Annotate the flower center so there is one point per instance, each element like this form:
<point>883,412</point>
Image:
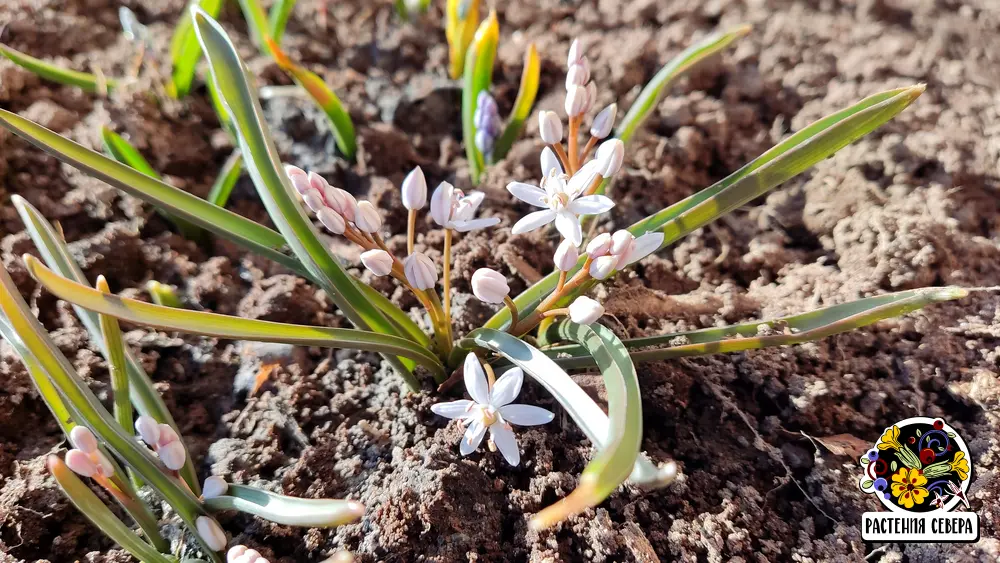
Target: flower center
<point>487,415</point>
<point>558,201</point>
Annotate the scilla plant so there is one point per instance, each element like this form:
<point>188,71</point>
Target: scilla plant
<point>555,311</point>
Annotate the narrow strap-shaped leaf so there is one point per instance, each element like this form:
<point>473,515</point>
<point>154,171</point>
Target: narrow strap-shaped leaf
<point>50,396</point>
<point>461,19</point>
<point>121,150</point>
<point>184,49</point>
<point>615,460</point>
<point>526,94</point>
<point>115,346</point>
<point>574,400</point>
<point>100,515</point>
<point>256,19</point>
<point>84,80</point>
<point>225,326</point>
<point>233,82</point>
<point>224,183</point>
<point>657,87</point>
<point>277,18</point>
<point>325,99</point>
<point>141,391</point>
<point>795,329</point>
<point>785,160</point>
<point>86,408</point>
<point>253,236</point>
<point>289,511</point>
<point>478,77</point>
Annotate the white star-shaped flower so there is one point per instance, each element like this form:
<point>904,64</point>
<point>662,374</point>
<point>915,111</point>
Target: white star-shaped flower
<point>452,209</point>
<point>560,195</point>
<point>492,409</point>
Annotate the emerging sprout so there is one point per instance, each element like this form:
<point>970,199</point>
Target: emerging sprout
<point>491,408</point>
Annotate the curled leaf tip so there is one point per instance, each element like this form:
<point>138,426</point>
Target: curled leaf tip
<point>102,284</point>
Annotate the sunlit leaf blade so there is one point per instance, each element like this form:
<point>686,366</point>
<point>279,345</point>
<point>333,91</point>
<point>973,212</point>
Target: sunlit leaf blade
<point>115,347</point>
<point>84,80</point>
<point>461,19</point>
<point>395,315</point>
<point>657,87</point>
<point>289,511</point>
<point>478,77</point>
<point>252,236</point>
<point>224,183</point>
<point>323,96</point>
<point>100,515</point>
<point>615,460</point>
<point>225,326</point>
<point>277,18</point>
<point>85,408</point>
<point>526,94</point>
<point>795,329</point>
<point>184,49</point>
<point>574,400</point>
<point>121,150</point>
<point>256,19</point>
<point>53,249</point>
<point>261,156</point>
<point>785,160</point>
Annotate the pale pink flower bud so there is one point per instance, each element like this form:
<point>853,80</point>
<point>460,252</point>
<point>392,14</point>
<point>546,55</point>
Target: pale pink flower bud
<point>83,439</point>
<point>610,155</point>
<point>489,285</point>
<point>332,220</point>
<point>313,199</point>
<point>599,246</point>
<point>605,120</point>
<point>441,204</point>
<point>575,55</point>
<point>214,486</point>
<point>342,202</point>
<point>566,256</point>
<point>578,75</point>
<point>104,465</point>
<point>378,261</point>
<point>148,429</point>
<point>414,190</point>
<point>234,552</point>
<point>167,435</point>
<point>81,463</point>
<point>603,266</point>
<point>298,177</point>
<point>550,127</point>
<point>576,101</point>
<point>420,271</point>
<point>620,241</point>
<point>591,97</point>
<point>211,533</point>
<point>584,310</point>
<point>368,218</point>
<point>172,455</point>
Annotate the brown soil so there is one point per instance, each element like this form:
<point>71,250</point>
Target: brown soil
<point>913,204</point>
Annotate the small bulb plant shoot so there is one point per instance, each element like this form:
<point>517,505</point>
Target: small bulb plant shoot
<point>550,328</point>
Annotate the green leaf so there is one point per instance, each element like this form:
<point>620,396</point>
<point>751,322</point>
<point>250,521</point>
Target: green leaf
<point>256,19</point>
<point>786,160</point>
<point>100,515</point>
<point>163,294</point>
<point>115,347</point>
<point>225,326</point>
<point>656,89</point>
<point>50,396</point>
<point>141,390</point>
<point>864,461</point>
<point>85,408</point>
<point>574,400</point>
<point>232,79</point>
<point>84,80</point>
<point>893,465</point>
<point>121,150</point>
<point>461,19</point>
<point>226,180</point>
<point>252,236</point>
<point>526,94</point>
<point>478,77</point>
<point>614,462</point>
<point>277,18</point>
<point>184,49</point>
<point>325,99</point>
<point>289,511</point>
<point>795,329</point>
<point>867,484</point>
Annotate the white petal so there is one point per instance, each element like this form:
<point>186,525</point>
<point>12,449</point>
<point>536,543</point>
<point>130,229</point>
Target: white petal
<point>473,199</point>
<point>526,415</point>
<point>505,441</point>
<point>550,162</point>
<point>453,409</point>
<point>644,246</point>
<point>582,180</point>
<point>475,380</point>
<point>568,226</point>
<point>591,205</point>
<point>473,437</point>
<point>533,221</point>
<point>507,387</point>
<point>527,193</point>
<point>473,224</point>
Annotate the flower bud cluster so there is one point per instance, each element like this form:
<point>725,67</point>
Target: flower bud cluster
<point>609,253</point>
<point>86,459</point>
<point>580,90</point>
<point>164,441</point>
<point>487,119</point>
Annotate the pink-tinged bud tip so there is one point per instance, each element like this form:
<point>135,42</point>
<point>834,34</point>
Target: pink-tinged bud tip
<point>489,286</point>
<point>83,439</point>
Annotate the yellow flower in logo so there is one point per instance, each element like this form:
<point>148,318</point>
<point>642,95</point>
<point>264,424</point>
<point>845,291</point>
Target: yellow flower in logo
<point>908,486</point>
<point>890,439</point>
<point>960,465</point>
